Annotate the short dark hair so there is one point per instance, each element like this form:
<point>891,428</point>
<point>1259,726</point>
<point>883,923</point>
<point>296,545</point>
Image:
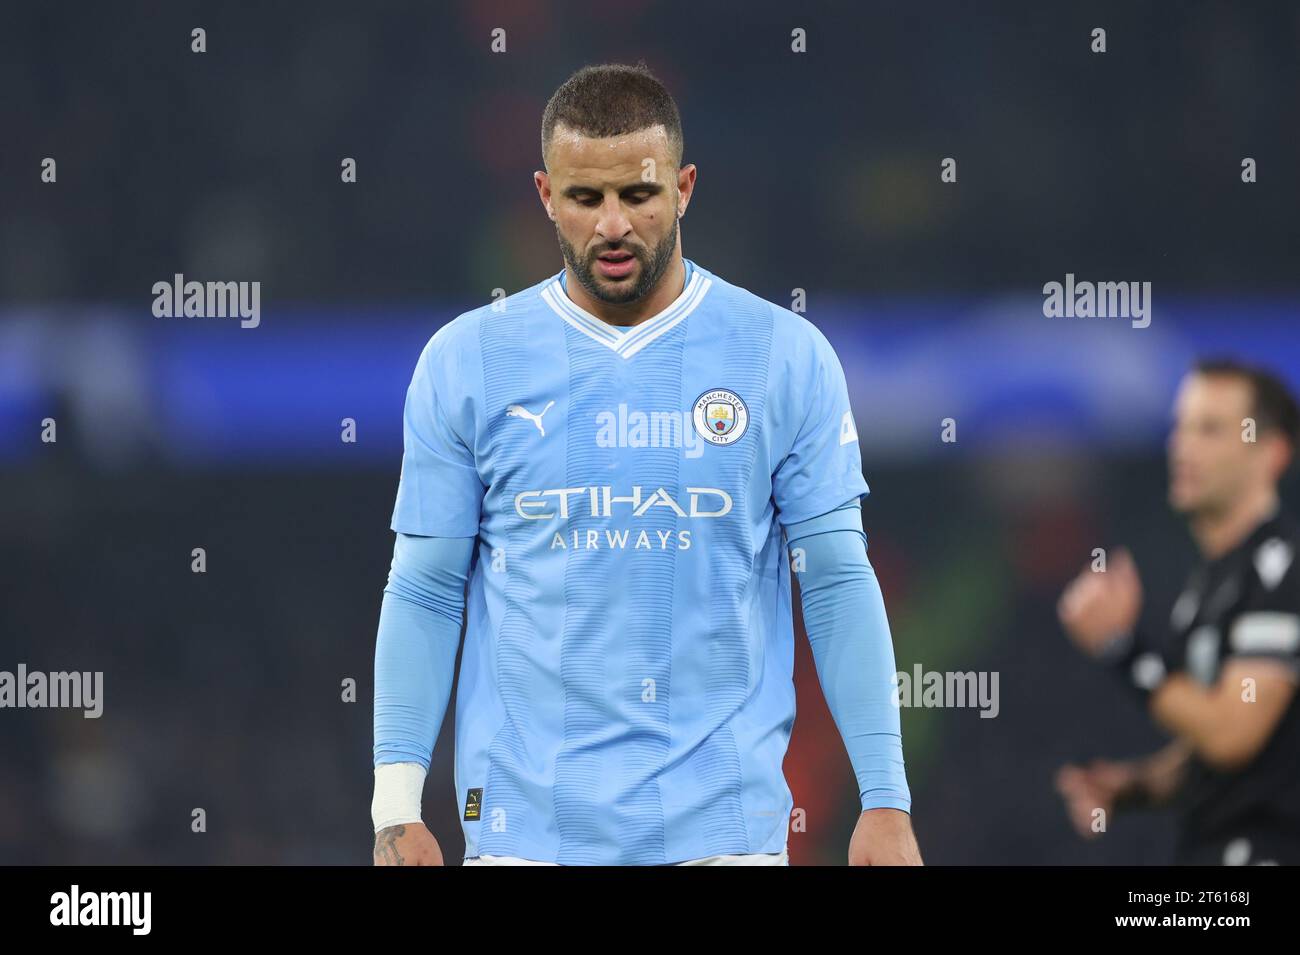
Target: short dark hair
<point>1273,406</point>
<point>612,99</point>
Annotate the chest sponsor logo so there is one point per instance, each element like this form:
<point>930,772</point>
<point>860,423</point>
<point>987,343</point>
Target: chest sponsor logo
<point>600,501</point>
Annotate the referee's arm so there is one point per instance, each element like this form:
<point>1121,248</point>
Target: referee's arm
<point>1228,723</point>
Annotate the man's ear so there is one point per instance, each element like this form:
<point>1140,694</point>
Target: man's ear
<point>685,187</point>
<point>1276,451</point>
<point>543,183</point>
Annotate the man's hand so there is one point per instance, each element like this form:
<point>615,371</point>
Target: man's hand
<point>1098,785</point>
<point>1099,606</point>
<point>410,844</point>
<point>884,837</point>
<point>1150,780</point>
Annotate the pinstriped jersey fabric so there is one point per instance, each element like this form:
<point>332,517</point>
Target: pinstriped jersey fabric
<point>625,691</point>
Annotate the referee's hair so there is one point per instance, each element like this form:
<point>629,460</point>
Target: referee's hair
<point>612,99</point>
<point>1274,407</point>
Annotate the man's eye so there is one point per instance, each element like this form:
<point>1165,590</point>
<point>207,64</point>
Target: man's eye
<point>638,197</point>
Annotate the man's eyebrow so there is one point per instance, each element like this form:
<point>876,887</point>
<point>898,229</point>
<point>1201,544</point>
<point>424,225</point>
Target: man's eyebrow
<point>654,188</point>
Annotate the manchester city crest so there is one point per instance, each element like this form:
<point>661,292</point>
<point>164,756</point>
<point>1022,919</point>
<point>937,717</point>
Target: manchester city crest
<point>720,416</point>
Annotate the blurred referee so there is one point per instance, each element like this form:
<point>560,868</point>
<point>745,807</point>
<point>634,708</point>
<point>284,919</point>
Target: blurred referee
<point>1221,677</point>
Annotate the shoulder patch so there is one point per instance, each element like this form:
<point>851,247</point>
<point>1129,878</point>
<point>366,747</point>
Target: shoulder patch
<point>848,433</point>
<point>1272,560</point>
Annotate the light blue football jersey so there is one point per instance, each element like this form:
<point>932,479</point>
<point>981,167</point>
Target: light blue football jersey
<point>625,689</point>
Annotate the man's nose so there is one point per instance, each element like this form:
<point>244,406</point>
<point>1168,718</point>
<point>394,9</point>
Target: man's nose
<point>613,224</point>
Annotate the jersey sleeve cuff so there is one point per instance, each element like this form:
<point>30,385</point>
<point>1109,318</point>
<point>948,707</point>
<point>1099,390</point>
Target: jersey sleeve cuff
<point>886,801</point>
<point>824,503</point>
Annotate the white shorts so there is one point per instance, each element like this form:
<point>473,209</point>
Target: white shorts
<point>752,858</point>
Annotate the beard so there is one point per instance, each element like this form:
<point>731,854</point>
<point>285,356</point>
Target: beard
<point>653,266</point>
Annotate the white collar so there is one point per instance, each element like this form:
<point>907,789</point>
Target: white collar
<point>630,341</point>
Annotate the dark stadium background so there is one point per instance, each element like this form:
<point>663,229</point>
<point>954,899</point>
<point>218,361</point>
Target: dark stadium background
<point>818,171</point>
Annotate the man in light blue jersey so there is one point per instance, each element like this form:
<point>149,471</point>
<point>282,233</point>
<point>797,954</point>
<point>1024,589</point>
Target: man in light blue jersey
<point>603,475</point>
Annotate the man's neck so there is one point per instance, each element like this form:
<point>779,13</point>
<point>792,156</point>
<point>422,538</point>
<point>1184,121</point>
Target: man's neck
<point>1218,533</point>
<point>670,286</point>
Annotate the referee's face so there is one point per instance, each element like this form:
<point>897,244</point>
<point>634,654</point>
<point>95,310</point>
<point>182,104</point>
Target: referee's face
<point>615,202</point>
<point>1212,461</point>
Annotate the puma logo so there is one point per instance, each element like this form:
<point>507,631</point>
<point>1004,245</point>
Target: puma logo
<point>519,411</point>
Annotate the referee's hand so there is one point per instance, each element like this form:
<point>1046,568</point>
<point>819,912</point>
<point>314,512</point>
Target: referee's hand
<point>1093,789</point>
<point>408,844</point>
<point>1100,606</point>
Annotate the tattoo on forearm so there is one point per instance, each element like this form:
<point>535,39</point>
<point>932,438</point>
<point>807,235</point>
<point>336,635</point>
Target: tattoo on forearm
<point>386,846</point>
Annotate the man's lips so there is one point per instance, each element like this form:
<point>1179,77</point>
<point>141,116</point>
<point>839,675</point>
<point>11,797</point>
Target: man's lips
<point>615,265</point>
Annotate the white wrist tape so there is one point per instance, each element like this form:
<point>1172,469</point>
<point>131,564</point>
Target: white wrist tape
<point>399,788</point>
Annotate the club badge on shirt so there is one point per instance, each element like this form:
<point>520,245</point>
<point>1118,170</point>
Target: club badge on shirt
<point>720,416</point>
